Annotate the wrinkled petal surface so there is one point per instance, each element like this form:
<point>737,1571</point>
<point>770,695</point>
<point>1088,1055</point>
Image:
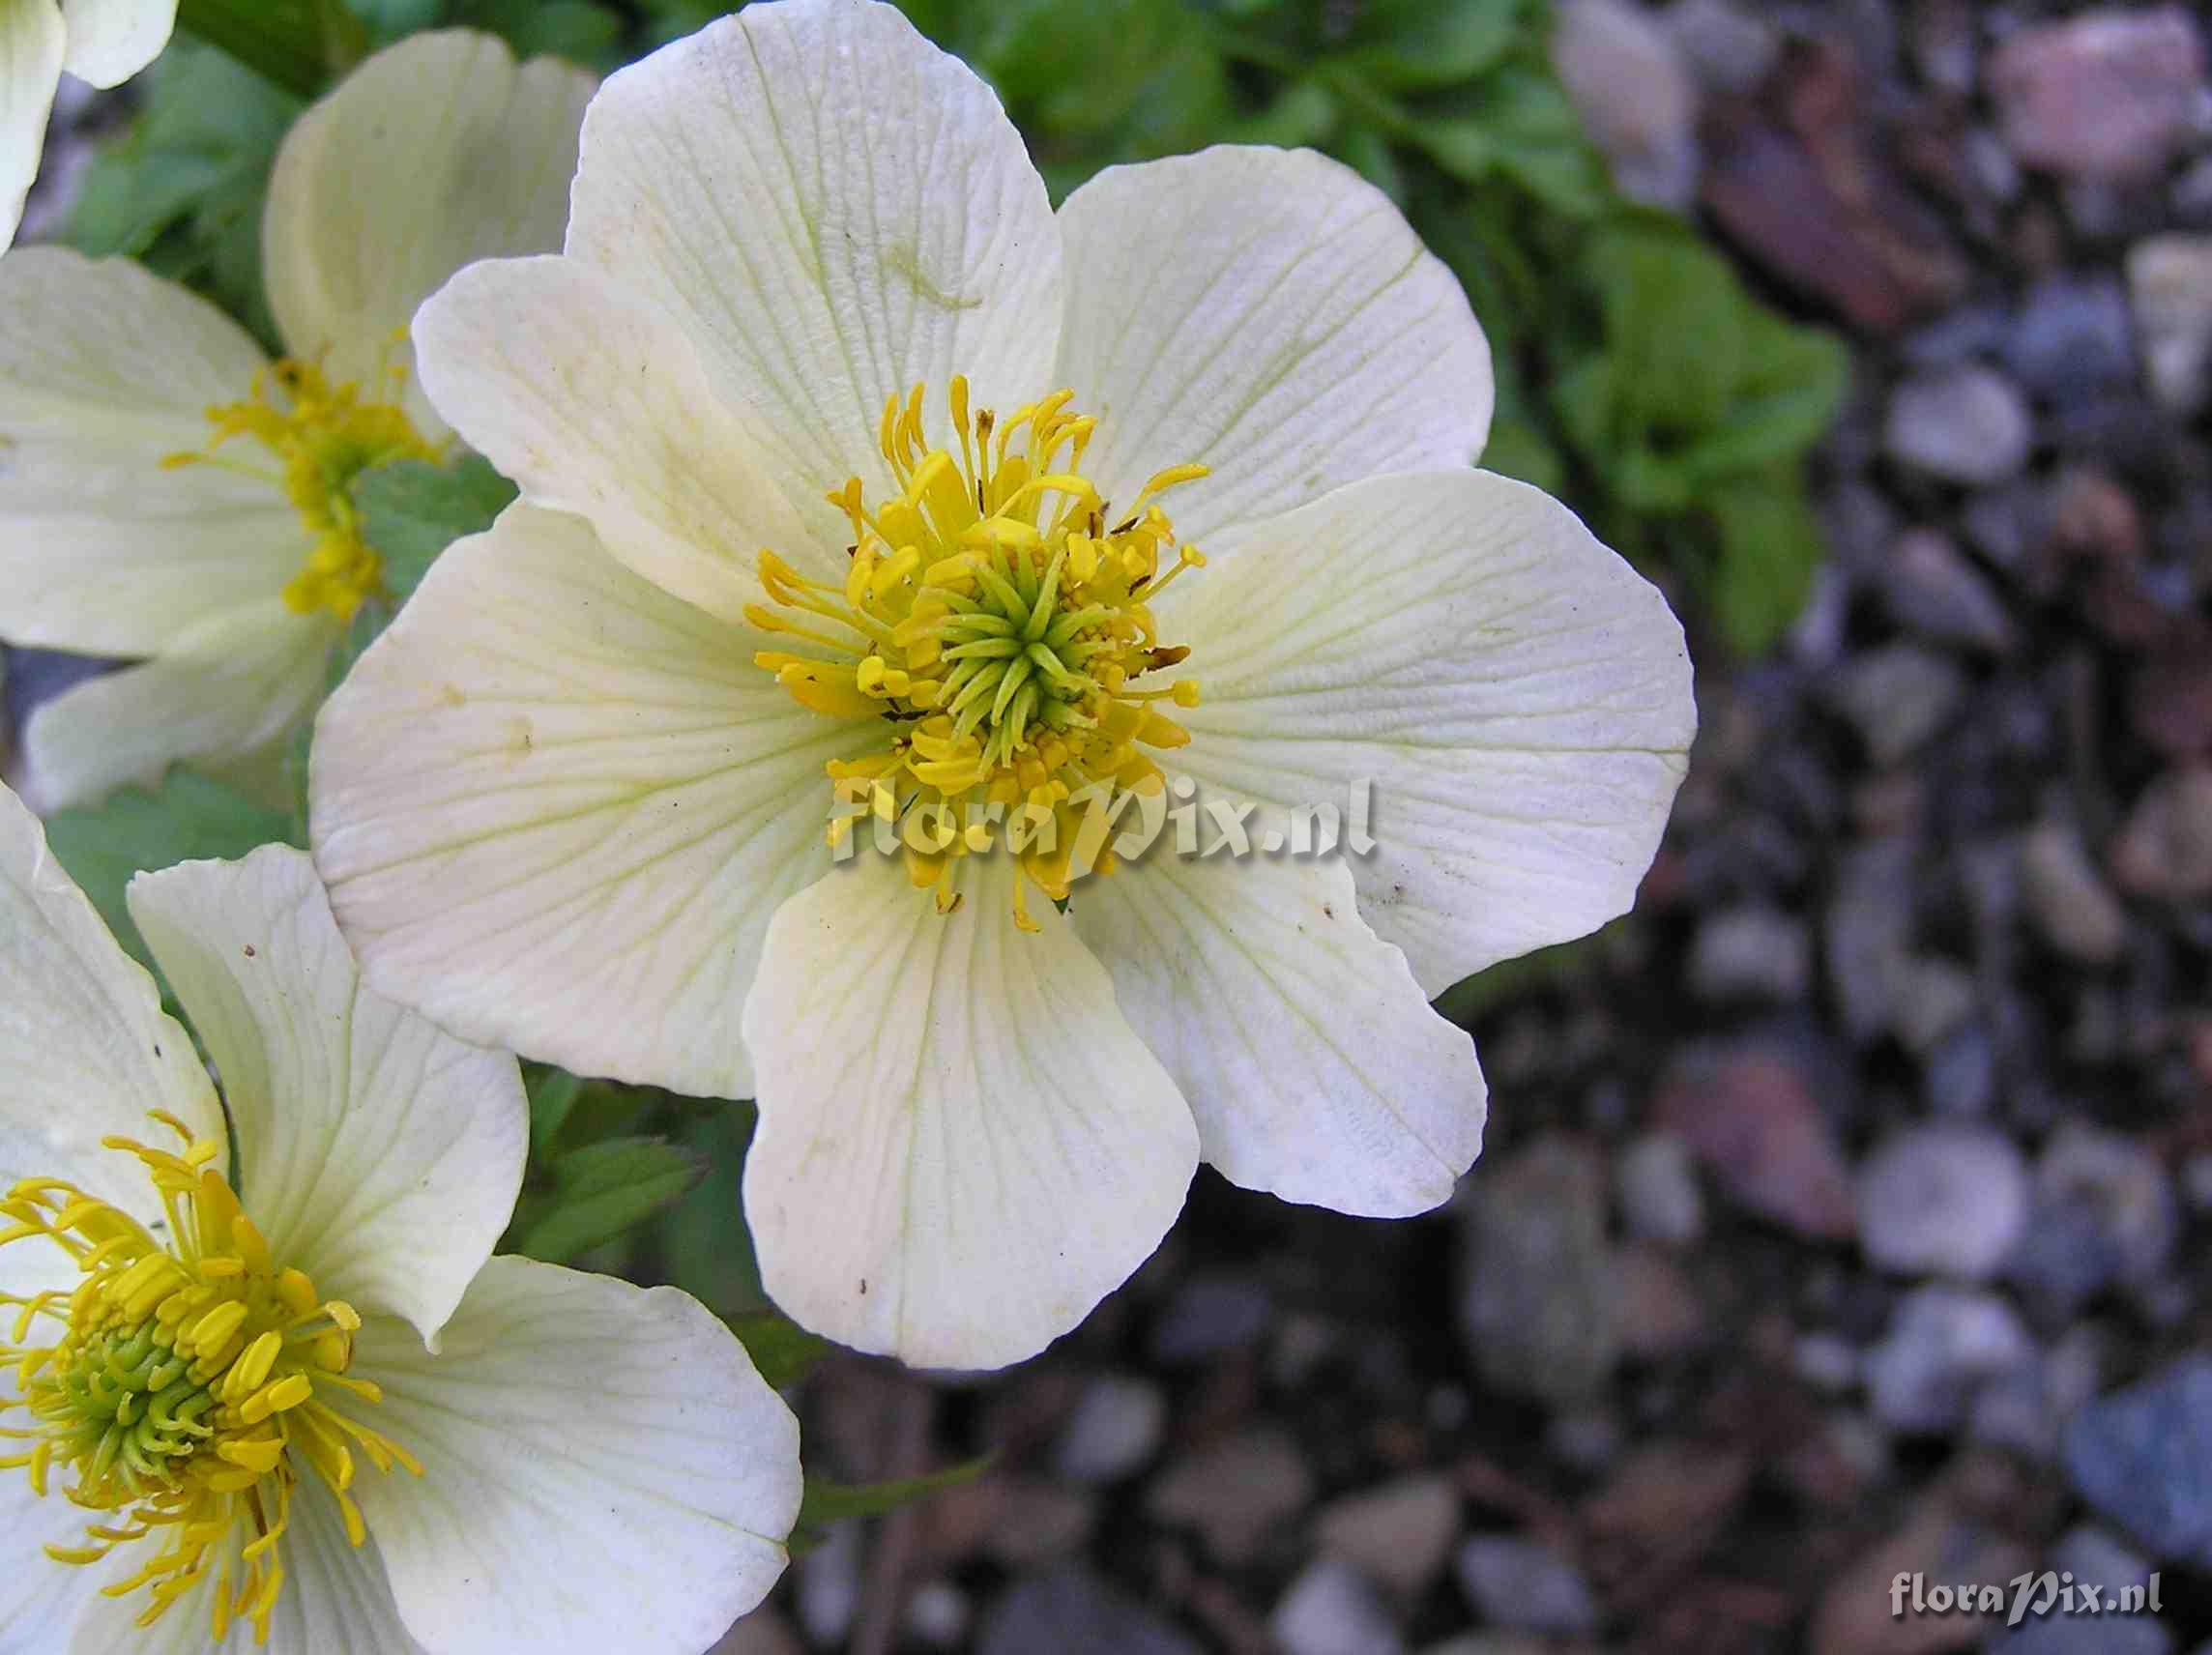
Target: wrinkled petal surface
<point>835,210</point>
<point>555,808</point>
<point>105,370</point>
<point>594,401</point>
<point>222,691</point>
<point>84,1044</point>
<point>1268,313</point>
<point>434,152</point>
<point>1517,698</point>
<point>963,1145</point>
<point>379,1155</point>
<point>603,1469</point>
<point>1310,1057</point>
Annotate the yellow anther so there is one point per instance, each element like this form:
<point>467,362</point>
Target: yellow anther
<point>181,1382</point>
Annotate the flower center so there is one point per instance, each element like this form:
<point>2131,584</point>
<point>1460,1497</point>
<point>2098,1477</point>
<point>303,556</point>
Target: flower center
<point>1000,617</point>
<point>184,1389</point>
<point>322,436</point>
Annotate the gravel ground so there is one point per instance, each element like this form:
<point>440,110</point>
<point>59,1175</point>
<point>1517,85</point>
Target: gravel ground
<point>1846,1209</point>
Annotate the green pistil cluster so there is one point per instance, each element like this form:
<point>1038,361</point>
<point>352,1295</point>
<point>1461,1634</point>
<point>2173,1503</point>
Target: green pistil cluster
<point>126,1399</point>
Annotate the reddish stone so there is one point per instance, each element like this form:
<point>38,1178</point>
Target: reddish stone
<point>1749,1116</point>
<point>1802,190</point>
<point>2108,94</point>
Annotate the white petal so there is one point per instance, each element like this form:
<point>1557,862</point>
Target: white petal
<point>31,44</point>
<point>223,690</point>
<point>1309,1054</point>
<point>335,1599</point>
<point>104,369</point>
<point>556,808</point>
<point>1270,314</point>
<point>109,40</point>
<point>40,1599</point>
<point>85,1048</point>
<point>594,402</point>
<point>1516,696</point>
<point>963,1145</point>
<point>377,1153</point>
<point>434,152</point>
<point>836,210</point>
<point>603,1469</point>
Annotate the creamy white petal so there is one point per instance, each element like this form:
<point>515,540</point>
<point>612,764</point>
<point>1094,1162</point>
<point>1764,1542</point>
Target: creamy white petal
<point>596,404</point>
<point>31,45</point>
<point>222,690</point>
<point>109,40</point>
<point>556,808</point>
<point>336,1600</point>
<point>84,1044</point>
<point>603,1469</point>
<point>1268,313</point>
<point>434,152</point>
<point>1516,696</point>
<point>379,1155</point>
<point>104,369</point>
<point>40,1600</point>
<point>963,1146</point>
<point>1310,1057</point>
<point>838,211</point>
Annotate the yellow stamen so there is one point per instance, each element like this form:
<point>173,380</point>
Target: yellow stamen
<point>1000,617</point>
<point>322,437</point>
<point>185,1393</point>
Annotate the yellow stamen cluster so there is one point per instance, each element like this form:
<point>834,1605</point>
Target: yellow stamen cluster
<point>184,1389</point>
<point>997,615</point>
<point>322,436</point>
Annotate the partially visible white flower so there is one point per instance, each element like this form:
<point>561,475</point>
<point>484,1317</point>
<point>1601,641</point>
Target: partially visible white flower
<point>103,42</point>
<point>291,1401</point>
<point>172,494</point>
<point>814,298</point>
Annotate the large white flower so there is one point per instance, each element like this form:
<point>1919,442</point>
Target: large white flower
<point>104,42</point>
<point>292,1400</point>
<point>575,799</point>
<point>169,493</point>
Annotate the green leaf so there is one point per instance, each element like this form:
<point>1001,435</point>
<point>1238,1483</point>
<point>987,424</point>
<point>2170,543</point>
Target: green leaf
<point>1793,383</point>
<point>1116,80</point>
<point>826,1502</point>
<point>1303,116</point>
<point>1410,46</point>
<point>1367,151</point>
<point>411,511</point>
<point>297,46</point>
<point>1675,323</point>
<point>578,30</point>
<point>1541,145</point>
<point>553,1094</point>
<point>1771,547</point>
<point>599,1192</point>
<point>1517,449</point>
<point>182,190</point>
<point>783,1351</point>
<point>705,1247</point>
<point>135,829</point>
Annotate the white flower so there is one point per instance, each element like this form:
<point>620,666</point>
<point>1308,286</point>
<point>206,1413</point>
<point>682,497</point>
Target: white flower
<point>574,801</point>
<point>104,42</point>
<point>293,1399</point>
<point>169,493</point>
